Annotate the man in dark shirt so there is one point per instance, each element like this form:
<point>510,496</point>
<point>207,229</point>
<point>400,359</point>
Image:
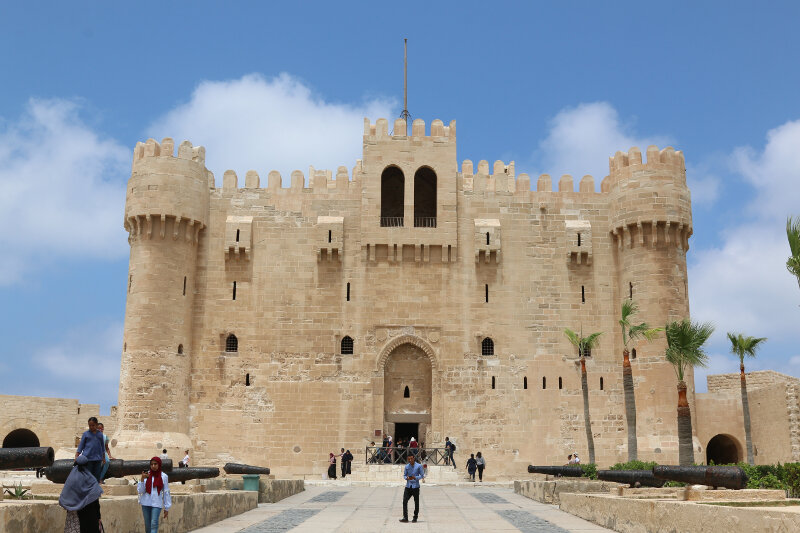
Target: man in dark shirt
<point>93,447</point>
<point>412,473</point>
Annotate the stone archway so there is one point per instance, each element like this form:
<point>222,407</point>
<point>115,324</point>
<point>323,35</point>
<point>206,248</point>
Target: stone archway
<point>723,449</point>
<point>21,438</point>
<point>407,392</point>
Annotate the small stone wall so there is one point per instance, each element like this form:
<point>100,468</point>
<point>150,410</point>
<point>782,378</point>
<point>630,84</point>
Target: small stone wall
<point>270,490</point>
<point>124,515</point>
<point>656,516</point>
<point>755,380</point>
<point>549,491</point>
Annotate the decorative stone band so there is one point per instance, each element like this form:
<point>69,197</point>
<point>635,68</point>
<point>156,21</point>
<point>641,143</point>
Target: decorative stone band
<point>147,225</point>
<point>676,233</point>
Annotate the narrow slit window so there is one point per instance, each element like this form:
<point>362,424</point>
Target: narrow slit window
<point>125,347</point>
<point>234,290</point>
<point>579,239</point>
<point>406,393</point>
<point>487,238</point>
<point>583,294</point>
<point>486,290</point>
<point>601,383</point>
<point>130,282</point>
<point>560,383</point>
<point>630,290</point>
<point>247,380</point>
<point>180,349</point>
<point>493,383</point>
<point>237,239</point>
<point>633,353</point>
<point>347,346</point>
<point>348,291</point>
<point>544,383</point>
<point>184,285</point>
<point>525,383</point>
<point>330,235</point>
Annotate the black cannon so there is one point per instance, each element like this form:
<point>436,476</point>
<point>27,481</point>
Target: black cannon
<point>236,468</point>
<point>11,458</point>
<point>59,470</point>
<point>634,478</point>
<point>730,477</point>
<point>562,471</point>
<point>192,472</point>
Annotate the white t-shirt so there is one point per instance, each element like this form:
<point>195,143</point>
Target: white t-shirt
<point>576,460</point>
<point>186,460</point>
<point>153,498</point>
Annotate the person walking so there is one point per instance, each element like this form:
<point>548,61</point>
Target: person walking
<point>450,446</point>
<point>349,458</point>
<point>472,466</point>
<point>153,489</point>
<point>184,463</point>
<point>412,473</point>
<point>481,462</point>
<point>107,453</point>
<point>92,446</point>
<point>80,497</point>
<point>332,466</point>
<point>343,455</point>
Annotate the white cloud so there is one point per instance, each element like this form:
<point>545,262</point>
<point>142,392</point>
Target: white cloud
<point>63,189</point>
<point>255,123</point>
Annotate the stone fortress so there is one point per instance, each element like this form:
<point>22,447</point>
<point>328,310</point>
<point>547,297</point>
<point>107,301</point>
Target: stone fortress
<point>273,325</point>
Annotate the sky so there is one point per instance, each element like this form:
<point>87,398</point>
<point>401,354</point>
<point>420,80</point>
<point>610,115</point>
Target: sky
<point>558,87</point>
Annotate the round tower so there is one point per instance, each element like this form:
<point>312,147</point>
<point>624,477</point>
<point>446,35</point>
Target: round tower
<point>650,225</point>
<point>166,209</point>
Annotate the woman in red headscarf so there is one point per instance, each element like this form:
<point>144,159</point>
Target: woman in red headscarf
<point>154,495</point>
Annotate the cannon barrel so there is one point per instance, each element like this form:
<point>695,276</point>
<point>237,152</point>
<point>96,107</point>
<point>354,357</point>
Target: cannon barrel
<point>59,470</point>
<point>730,477</point>
<point>642,478</point>
<point>11,458</point>
<point>236,468</point>
<point>193,472</point>
<point>564,471</point>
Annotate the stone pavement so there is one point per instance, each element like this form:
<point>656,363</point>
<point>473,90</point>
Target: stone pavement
<point>443,508</point>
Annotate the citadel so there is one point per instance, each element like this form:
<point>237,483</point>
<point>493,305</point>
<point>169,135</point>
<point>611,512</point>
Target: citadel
<point>276,322</point>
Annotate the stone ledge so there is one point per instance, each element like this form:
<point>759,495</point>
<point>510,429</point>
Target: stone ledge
<point>656,516</point>
<point>549,491</point>
<point>123,514</point>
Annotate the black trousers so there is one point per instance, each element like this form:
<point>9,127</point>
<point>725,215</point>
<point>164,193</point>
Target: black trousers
<point>89,517</point>
<point>480,472</point>
<point>407,494</point>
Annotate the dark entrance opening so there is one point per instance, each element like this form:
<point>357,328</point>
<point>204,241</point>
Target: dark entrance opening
<point>392,197</point>
<point>722,449</point>
<point>21,438</point>
<point>404,432</point>
<point>425,198</point>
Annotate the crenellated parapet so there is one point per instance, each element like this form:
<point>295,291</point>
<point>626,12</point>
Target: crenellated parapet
<point>502,179</point>
<point>379,131</point>
<point>167,194</point>
<point>649,200</point>
<point>320,182</point>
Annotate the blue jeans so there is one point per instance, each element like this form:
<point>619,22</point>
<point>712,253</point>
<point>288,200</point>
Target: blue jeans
<point>151,516</point>
<point>104,469</point>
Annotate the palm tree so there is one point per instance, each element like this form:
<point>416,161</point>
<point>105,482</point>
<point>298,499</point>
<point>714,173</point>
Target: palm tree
<point>685,341</point>
<point>631,332</point>
<point>584,346</point>
<point>793,234</point>
<point>745,346</point>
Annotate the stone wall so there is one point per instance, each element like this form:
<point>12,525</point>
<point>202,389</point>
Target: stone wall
<point>123,514</point>
<point>57,422</point>
<point>755,380</point>
<point>550,490</point>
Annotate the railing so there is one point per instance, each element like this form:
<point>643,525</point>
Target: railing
<point>391,222</point>
<point>424,222</point>
<point>399,455</point>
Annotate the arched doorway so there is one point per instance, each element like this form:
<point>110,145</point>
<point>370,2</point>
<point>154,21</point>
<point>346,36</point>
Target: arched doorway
<point>723,449</point>
<point>407,393</point>
<point>21,438</point>
<point>392,197</point>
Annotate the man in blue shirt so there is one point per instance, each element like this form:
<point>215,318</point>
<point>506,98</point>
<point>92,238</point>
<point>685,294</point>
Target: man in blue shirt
<point>93,447</point>
<point>412,473</point>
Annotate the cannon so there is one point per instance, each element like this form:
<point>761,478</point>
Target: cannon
<point>563,471</point>
<point>634,478</point>
<point>193,472</point>
<point>59,470</point>
<point>730,477</point>
<point>236,468</point>
<point>11,458</point>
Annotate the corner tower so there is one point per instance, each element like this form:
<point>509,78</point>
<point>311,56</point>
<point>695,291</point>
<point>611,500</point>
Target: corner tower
<point>651,222</point>
<point>166,209</point>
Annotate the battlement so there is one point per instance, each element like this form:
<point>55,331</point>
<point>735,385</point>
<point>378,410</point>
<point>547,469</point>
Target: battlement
<point>379,131</point>
<point>503,180</point>
<point>667,156</point>
<point>166,148</point>
<point>319,181</point>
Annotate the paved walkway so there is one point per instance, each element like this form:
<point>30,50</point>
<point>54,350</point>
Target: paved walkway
<point>371,509</point>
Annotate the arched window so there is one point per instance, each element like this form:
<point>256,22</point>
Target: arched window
<point>487,346</point>
<point>525,382</point>
<point>406,393</point>
<point>347,346</point>
<point>560,383</point>
<point>231,343</point>
<point>586,352</point>
<point>425,198</point>
<point>180,349</point>
<point>393,192</point>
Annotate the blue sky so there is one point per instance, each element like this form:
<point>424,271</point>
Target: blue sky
<point>556,86</point>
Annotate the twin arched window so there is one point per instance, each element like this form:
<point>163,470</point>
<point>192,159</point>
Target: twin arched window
<point>347,346</point>
<point>393,183</point>
<point>487,346</point>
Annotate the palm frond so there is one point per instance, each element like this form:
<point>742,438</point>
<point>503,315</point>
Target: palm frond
<point>744,346</point>
<point>793,235</point>
<point>685,340</point>
<point>573,337</point>
<point>592,340</point>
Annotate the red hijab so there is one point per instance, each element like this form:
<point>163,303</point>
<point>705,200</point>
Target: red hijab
<point>154,478</point>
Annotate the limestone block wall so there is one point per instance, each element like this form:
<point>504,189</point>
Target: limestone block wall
<point>721,414</point>
<point>755,380</point>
